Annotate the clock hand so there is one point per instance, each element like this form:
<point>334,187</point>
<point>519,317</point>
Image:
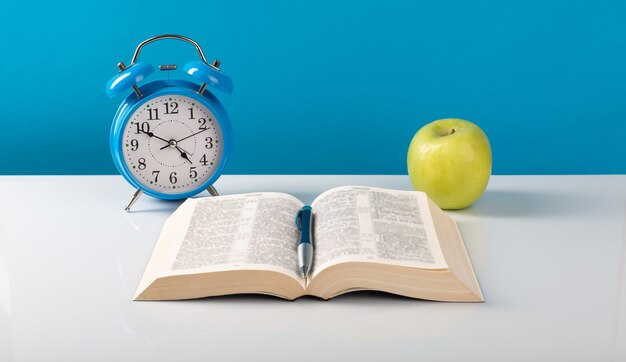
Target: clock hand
<point>171,143</point>
<point>184,154</point>
<point>150,134</point>
<point>182,139</point>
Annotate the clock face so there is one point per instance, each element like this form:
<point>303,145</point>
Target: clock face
<point>172,144</point>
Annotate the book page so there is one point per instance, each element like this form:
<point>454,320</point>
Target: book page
<point>249,231</point>
<point>376,225</point>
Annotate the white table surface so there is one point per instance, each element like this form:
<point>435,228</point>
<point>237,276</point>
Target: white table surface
<point>549,253</point>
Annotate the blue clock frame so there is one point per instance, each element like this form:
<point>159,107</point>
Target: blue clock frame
<point>160,88</point>
<point>129,77</point>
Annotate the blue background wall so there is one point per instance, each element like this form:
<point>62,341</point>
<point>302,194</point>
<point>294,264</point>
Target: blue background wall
<point>546,80</point>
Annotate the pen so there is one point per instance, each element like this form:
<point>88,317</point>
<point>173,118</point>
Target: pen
<point>304,223</point>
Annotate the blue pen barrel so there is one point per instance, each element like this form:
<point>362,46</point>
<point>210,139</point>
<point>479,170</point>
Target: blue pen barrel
<point>304,223</point>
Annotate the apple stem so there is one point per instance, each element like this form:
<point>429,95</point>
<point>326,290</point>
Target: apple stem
<point>452,131</point>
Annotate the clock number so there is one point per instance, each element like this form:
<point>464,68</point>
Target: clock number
<point>142,164</point>
<point>156,175</point>
<point>203,160</point>
<point>192,172</point>
<point>134,145</point>
<point>173,178</point>
<point>191,112</point>
<point>174,106</point>
<point>142,128</point>
<point>209,143</point>
<point>154,114</point>
<point>202,122</point>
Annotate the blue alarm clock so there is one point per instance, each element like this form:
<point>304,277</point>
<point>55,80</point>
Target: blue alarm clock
<point>170,139</point>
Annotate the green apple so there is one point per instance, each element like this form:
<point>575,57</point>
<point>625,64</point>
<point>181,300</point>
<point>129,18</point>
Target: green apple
<point>450,160</point>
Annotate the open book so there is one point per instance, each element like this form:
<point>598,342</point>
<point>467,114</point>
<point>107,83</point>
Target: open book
<point>364,238</point>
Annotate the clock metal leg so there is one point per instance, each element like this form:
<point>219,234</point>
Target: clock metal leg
<point>212,191</point>
<point>133,200</point>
